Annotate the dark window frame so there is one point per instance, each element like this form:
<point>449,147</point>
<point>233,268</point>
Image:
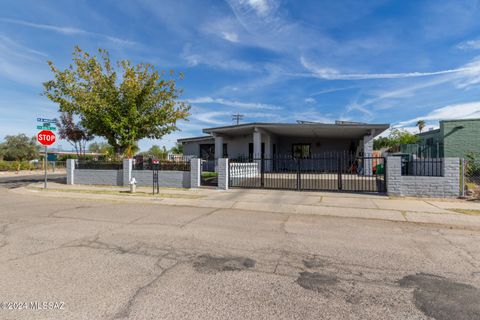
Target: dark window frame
<point>302,145</point>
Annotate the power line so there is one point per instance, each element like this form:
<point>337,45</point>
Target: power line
<point>237,117</point>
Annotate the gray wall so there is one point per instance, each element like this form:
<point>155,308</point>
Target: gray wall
<point>172,179</point>
<point>447,186</point>
<point>98,177</point>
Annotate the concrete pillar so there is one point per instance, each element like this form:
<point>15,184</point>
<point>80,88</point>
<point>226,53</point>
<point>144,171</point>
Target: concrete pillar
<point>451,174</point>
<point>127,171</point>
<point>195,169</point>
<point>267,139</point>
<point>394,176</point>
<point>368,152</point>
<point>70,171</point>
<point>257,144</point>
<point>223,174</point>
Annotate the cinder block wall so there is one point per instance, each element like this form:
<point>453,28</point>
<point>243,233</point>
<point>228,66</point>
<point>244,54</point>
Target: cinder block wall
<point>447,186</point>
<point>100,177</point>
<point>172,179</point>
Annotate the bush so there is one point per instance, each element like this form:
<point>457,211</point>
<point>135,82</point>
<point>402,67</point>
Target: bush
<point>15,165</point>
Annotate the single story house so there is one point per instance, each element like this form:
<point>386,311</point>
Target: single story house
<point>302,140</point>
<point>454,138</point>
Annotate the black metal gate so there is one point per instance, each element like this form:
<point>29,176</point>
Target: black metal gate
<point>327,172</point>
<point>208,174</point>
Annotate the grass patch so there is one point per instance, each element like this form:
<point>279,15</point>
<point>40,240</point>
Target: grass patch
<point>467,211</point>
<point>209,174</point>
<point>123,193</point>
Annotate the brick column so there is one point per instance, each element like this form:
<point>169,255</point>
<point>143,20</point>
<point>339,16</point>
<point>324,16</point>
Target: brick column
<point>195,169</point>
<point>223,174</point>
<point>451,174</point>
<point>394,176</point>
<point>127,171</point>
<point>70,171</point>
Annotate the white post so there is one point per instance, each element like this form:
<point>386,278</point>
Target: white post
<point>127,171</point>
<point>70,171</point>
<point>195,169</point>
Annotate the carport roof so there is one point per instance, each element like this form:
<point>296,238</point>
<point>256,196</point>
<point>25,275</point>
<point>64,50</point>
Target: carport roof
<point>327,130</point>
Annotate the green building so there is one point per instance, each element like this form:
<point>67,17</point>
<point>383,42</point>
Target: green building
<point>454,138</point>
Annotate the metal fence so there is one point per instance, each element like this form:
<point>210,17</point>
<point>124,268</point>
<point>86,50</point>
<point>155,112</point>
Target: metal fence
<point>98,165</point>
<point>423,151</point>
<point>328,172</point>
<point>429,167</point>
<point>162,165</point>
<point>208,174</point>
<point>470,170</point>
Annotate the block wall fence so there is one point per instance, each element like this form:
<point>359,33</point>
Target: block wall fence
<point>445,186</point>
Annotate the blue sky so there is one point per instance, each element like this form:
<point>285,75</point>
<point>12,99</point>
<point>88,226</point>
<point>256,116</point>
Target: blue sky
<point>272,60</point>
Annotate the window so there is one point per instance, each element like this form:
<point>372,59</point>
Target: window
<point>430,142</point>
<point>301,150</point>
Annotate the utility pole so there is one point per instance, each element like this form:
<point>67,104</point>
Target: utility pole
<point>237,117</point>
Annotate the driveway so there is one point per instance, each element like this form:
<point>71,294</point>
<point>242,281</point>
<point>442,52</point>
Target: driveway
<point>106,259</point>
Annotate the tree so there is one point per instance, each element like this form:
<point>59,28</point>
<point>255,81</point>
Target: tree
<point>103,148</point>
<point>74,133</point>
<point>177,148</point>
<point>139,103</point>
<point>396,138</point>
<point>19,148</point>
<point>157,152</point>
<point>420,125</point>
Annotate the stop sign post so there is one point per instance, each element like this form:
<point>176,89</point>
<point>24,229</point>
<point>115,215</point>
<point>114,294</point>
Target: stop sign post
<point>46,138</point>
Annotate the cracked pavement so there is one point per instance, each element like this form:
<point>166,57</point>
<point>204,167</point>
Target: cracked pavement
<point>113,260</point>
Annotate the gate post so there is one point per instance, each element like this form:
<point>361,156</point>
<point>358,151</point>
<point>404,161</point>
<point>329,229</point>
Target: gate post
<point>299,175</point>
<point>195,172</point>
<point>339,173</point>
<point>223,173</point>
<point>262,170</point>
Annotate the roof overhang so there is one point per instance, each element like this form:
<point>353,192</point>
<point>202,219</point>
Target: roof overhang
<point>319,130</point>
<point>195,139</point>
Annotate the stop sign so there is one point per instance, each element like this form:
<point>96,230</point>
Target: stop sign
<point>46,137</point>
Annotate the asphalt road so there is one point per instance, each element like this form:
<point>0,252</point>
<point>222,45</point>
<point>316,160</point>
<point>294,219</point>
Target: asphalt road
<point>113,260</point>
<point>23,180</point>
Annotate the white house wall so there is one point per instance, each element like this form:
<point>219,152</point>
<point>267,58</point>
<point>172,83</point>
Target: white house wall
<point>318,145</point>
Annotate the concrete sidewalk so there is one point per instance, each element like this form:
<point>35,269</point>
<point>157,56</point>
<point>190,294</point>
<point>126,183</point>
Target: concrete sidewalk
<point>350,205</point>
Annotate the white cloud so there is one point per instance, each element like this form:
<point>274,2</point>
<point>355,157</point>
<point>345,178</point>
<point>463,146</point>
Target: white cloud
<point>333,74</point>
<point>233,103</point>
<point>22,64</point>
<point>67,30</point>
<point>230,36</point>
<point>261,7</point>
<point>456,111</point>
<point>214,59</point>
<point>310,100</point>
<point>470,44</point>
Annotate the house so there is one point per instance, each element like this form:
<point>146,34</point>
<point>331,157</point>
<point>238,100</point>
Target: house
<point>272,140</point>
<point>454,138</point>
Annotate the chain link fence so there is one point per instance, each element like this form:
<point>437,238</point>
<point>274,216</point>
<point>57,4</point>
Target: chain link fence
<point>471,177</point>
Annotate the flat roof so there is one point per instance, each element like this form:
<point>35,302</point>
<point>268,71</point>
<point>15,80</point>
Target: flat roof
<point>337,130</point>
<point>200,138</point>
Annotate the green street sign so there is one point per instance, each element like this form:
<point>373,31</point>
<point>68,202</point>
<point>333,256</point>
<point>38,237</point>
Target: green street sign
<point>46,128</point>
